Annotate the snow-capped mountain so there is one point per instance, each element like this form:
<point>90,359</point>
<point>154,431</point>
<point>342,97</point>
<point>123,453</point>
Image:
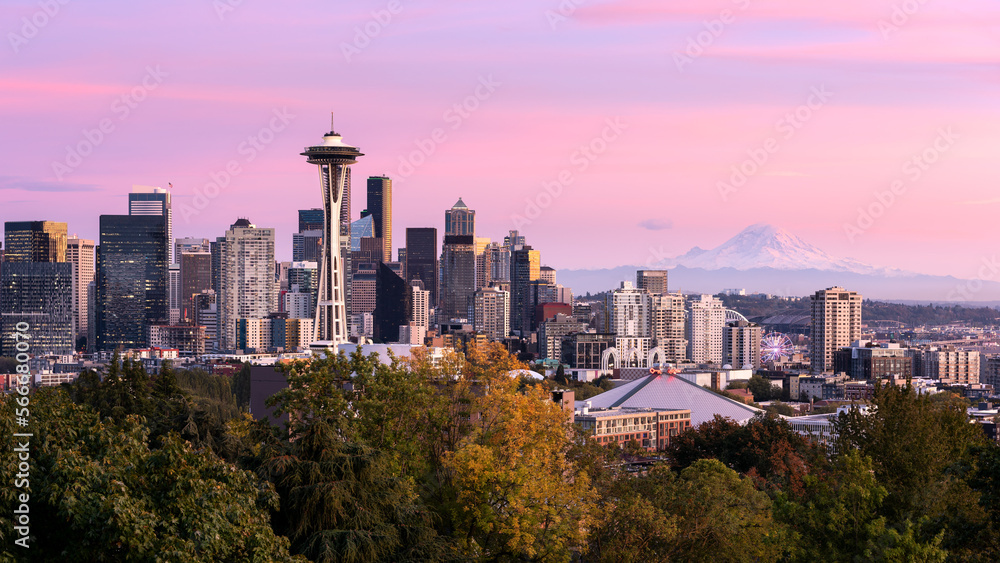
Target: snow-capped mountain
<point>766,246</point>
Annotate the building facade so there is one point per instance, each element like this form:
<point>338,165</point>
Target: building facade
<point>835,323</point>
<point>492,313</point>
<point>741,344</point>
<point>706,320</point>
<point>248,286</point>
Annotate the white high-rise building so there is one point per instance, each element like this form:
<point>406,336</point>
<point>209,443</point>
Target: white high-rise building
<point>491,312</point>
<point>741,344</point>
<point>174,293</point>
<point>420,305</point>
<point>627,312</point>
<point>298,305</point>
<point>80,252</point>
<point>247,286</point>
<point>836,323</point>
<point>706,319</point>
<point>668,328</point>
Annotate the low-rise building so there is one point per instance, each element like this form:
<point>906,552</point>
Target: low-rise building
<point>653,429</point>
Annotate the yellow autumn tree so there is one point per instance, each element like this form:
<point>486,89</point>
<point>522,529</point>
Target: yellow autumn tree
<point>516,495</point>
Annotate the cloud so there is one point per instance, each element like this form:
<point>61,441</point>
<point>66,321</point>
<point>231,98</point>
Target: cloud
<point>656,224</point>
<point>18,183</point>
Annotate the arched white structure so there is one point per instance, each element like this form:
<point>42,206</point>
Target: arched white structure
<point>733,316</point>
<point>606,359</point>
<point>656,356</point>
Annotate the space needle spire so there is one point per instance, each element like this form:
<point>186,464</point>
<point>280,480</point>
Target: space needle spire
<point>332,156</point>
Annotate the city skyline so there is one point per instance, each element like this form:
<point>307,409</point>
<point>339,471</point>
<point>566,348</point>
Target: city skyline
<point>678,96</point>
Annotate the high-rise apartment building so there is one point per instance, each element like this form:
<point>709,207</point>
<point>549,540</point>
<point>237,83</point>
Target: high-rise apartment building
<point>667,325</point>
<point>380,207</point>
<point>706,320</point>
<point>132,266</point>
<point>80,253</point>
<point>498,262</point>
<point>836,323</point>
<point>148,200</point>
<point>174,293</point>
<point>248,286</point>
<point>547,275</point>
<point>741,344</point>
<point>35,241</point>
<point>420,300</point>
<point>653,281</point>
<point>491,312</point>
<point>628,312</point>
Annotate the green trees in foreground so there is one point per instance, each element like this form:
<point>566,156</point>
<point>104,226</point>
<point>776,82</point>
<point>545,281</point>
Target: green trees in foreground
<point>457,461</point>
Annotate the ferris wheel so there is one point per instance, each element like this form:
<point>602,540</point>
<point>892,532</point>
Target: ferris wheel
<point>774,345</point>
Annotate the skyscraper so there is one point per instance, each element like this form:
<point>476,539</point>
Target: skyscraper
<point>332,157</point>
<point>80,253</point>
<point>147,200</point>
<point>422,259</point>
<point>132,263</point>
<point>460,220</point>
<point>190,245</point>
<point>196,277</point>
<point>706,320</point>
<point>248,285</point>
<point>311,219</point>
<point>458,276</point>
<point>362,228</point>
<point>35,241</point>
<point>40,294</point>
<point>653,281</point>
<point>525,267</point>
<point>836,322</point>
<point>380,207</point>
<point>419,305</point>
<point>391,311</point>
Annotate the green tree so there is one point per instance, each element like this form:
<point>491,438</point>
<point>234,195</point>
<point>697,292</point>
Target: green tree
<point>99,493</point>
<point>706,513</point>
<point>839,519</point>
<point>762,389</point>
<point>922,451</point>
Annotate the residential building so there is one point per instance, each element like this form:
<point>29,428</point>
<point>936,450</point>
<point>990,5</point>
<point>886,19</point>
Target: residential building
<point>741,345</point>
<point>706,319</point>
<point>248,285</point>
<point>653,281</point>
<point>80,253</point>
<point>552,333</point>
<point>667,327</point>
<point>835,323</point>
<point>628,311</point>
<point>492,313</point>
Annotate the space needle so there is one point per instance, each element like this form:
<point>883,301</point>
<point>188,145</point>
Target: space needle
<point>332,156</point>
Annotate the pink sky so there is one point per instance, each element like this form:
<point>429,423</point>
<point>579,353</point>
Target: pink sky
<point>560,72</point>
